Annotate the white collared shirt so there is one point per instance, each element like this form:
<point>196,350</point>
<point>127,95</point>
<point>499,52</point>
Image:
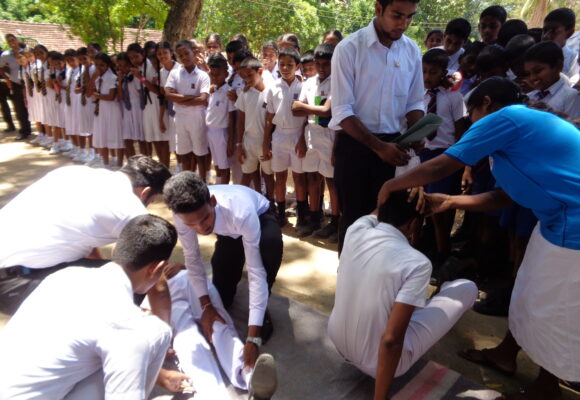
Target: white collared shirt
<point>571,67</point>
<point>279,99</point>
<point>219,108</point>
<point>451,108</point>
<point>253,104</point>
<point>237,214</point>
<point>106,82</point>
<point>377,268</point>
<point>83,208</point>
<point>77,321</point>
<point>192,83</point>
<point>561,98</point>
<point>453,64</point>
<point>377,84</point>
<point>271,77</point>
<point>164,73</point>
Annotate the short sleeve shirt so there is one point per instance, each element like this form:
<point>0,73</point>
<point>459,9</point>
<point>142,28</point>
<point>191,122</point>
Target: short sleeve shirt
<point>219,108</point>
<point>534,159</point>
<point>279,99</point>
<point>192,83</point>
<point>253,104</point>
<point>451,108</point>
<point>106,82</point>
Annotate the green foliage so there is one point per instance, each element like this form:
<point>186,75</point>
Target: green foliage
<point>21,10</point>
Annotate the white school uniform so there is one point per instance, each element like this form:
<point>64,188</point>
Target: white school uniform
<point>132,117</point>
<point>271,77</point>
<point>451,108</point>
<point>71,111</point>
<point>107,126</point>
<point>195,354</point>
<point>279,99</point>
<point>51,107</point>
<point>253,104</point>
<point>377,257</point>
<point>47,103</point>
<point>151,127</point>
<point>217,122</point>
<point>571,67</point>
<point>190,120</point>
<point>169,119</point>
<point>453,64</point>
<point>62,102</point>
<point>560,97</point>
<point>87,114</point>
<point>67,330</point>
<point>27,76</point>
<point>320,140</point>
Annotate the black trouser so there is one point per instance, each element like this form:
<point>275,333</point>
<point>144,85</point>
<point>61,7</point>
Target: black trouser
<point>16,288</point>
<point>358,175</point>
<point>4,106</point>
<point>17,97</point>
<point>228,258</point>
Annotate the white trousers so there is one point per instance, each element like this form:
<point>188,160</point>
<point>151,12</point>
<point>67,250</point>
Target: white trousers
<point>195,355</point>
<point>428,325</point>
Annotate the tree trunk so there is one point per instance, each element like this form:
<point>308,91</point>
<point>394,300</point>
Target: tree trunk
<point>182,20</point>
<point>538,14</point>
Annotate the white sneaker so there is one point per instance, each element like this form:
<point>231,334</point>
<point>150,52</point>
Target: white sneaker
<point>69,153</point>
<point>46,142</point>
<point>37,139</point>
<point>55,149</point>
<point>79,157</point>
<point>264,381</point>
<point>112,161</point>
<point>88,158</point>
<point>66,147</point>
<point>98,163</point>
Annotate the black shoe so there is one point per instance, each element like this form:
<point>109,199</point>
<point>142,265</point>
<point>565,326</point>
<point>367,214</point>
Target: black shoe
<point>328,231</point>
<point>267,328</point>
<point>496,303</point>
<point>307,226</point>
<point>9,129</point>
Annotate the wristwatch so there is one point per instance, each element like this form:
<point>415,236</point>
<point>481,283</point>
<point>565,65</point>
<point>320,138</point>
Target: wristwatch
<point>256,340</point>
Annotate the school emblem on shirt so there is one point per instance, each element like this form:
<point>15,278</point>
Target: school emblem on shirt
<point>217,103</point>
<point>193,85</point>
<point>264,105</point>
<point>295,96</point>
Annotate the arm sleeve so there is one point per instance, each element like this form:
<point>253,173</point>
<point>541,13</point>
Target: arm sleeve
<point>204,83</point>
<point>171,81</point>
<point>303,93</point>
<point>342,85</point>
<point>486,136</point>
<point>416,284</point>
<point>240,105</point>
<point>416,97</point>
<point>193,261</point>
<point>458,109</point>
<point>257,277</point>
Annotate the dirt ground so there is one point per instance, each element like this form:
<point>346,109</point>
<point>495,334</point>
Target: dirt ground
<point>308,272</point>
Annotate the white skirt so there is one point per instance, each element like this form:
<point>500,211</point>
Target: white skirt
<point>544,315</point>
<point>132,122</point>
<point>171,132</point>
<point>107,126</point>
<point>151,126</point>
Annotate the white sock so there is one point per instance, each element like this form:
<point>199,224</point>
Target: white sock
<point>92,152</point>
<point>68,141</point>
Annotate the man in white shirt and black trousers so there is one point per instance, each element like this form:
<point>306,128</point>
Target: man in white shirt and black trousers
<point>247,232</point>
<point>376,83</point>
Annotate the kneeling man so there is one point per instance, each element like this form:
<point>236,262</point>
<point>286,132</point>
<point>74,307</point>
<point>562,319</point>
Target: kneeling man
<point>381,321</point>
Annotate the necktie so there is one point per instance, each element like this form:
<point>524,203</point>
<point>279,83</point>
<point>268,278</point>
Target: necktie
<point>29,83</point>
<point>126,95</point>
<point>68,87</point>
<point>42,82</point>
<point>542,94</point>
<point>97,101</point>
<point>84,84</point>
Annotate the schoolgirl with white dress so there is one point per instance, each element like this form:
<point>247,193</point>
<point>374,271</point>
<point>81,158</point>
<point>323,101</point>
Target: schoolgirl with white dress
<point>167,63</point>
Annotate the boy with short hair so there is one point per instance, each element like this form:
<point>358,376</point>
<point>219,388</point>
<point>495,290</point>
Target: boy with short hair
<point>314,102</point>
<point>250,136</point>
<point>307,67</point>
<point>450,107</point>
<point>285,145</point>
<point>490,21</point>
<point>543,63</point>
<point>515,50</point>
<point>220,117</point>
<point>559,26</point>
<point>188,88</point>
<point>456,35</point>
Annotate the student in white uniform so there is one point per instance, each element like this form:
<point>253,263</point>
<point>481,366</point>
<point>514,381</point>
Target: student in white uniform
<point>90,327</point>
<point>456,36</point>
<point>220,117</point>
<point>35,66</point>
<point>72,102</point>
<point>108,122</point>
<point>385,328</point>
<point>188,88</point>
<point>252,120</point>
<point>284,142</point>
<point>270,73</point>
<point>87,107</point>
<point>543,63</point>
<point>53,113</point>
<point>28,77</point>
<point>167,63</point>
<point>43,69</point>
<point>246,229</point>
<point>88,208</point>
<point>559,26</point>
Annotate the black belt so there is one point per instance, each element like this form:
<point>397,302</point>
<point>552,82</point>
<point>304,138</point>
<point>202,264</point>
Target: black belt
<point>11,272</point>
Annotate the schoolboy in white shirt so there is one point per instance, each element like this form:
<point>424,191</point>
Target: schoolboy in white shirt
<point>559,26</point>
<point>220,117</point>
<point>188,88</point>
<point>284,141</point>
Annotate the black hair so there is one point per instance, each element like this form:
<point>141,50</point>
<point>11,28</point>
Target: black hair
<point>433,32</point>
<point>307,57</point>
<point>459,27</point>
<point>563,16</point>
<point>536,33</point>
<point>82,51</point>
<point>184,43</point>
<point>290,52</point>
<point>70,53</point>
<point>490,58</point>
<point>385,3</point>
<point>144,171</point>
<point>185,192</point>
<point>501,91</point>
<point>333,32</point>
<point>123,56</point>
<point>95,45</point>
<point>497,12</point>
<point>436,57</point>
<point>241,38</point>
<point>144,240</point>
<point>473,49</point>
<point>164,45</point>
<point>135,47</point>
<point>9,35</point>
<point>217,60</point>
<point>41,47</point>
<point>510,29</point>
<point>55,55</point>
<point>251,62</point>
<point>518,45</point>
<point>234,46</point>
<point>241,55</point>
<point>290,37</point>
<point>324,51</point>
<point>271,44</point>
<point>546,52</point>
<point>397,210</point>
<point>215,37</point>
<point>150,44</point>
